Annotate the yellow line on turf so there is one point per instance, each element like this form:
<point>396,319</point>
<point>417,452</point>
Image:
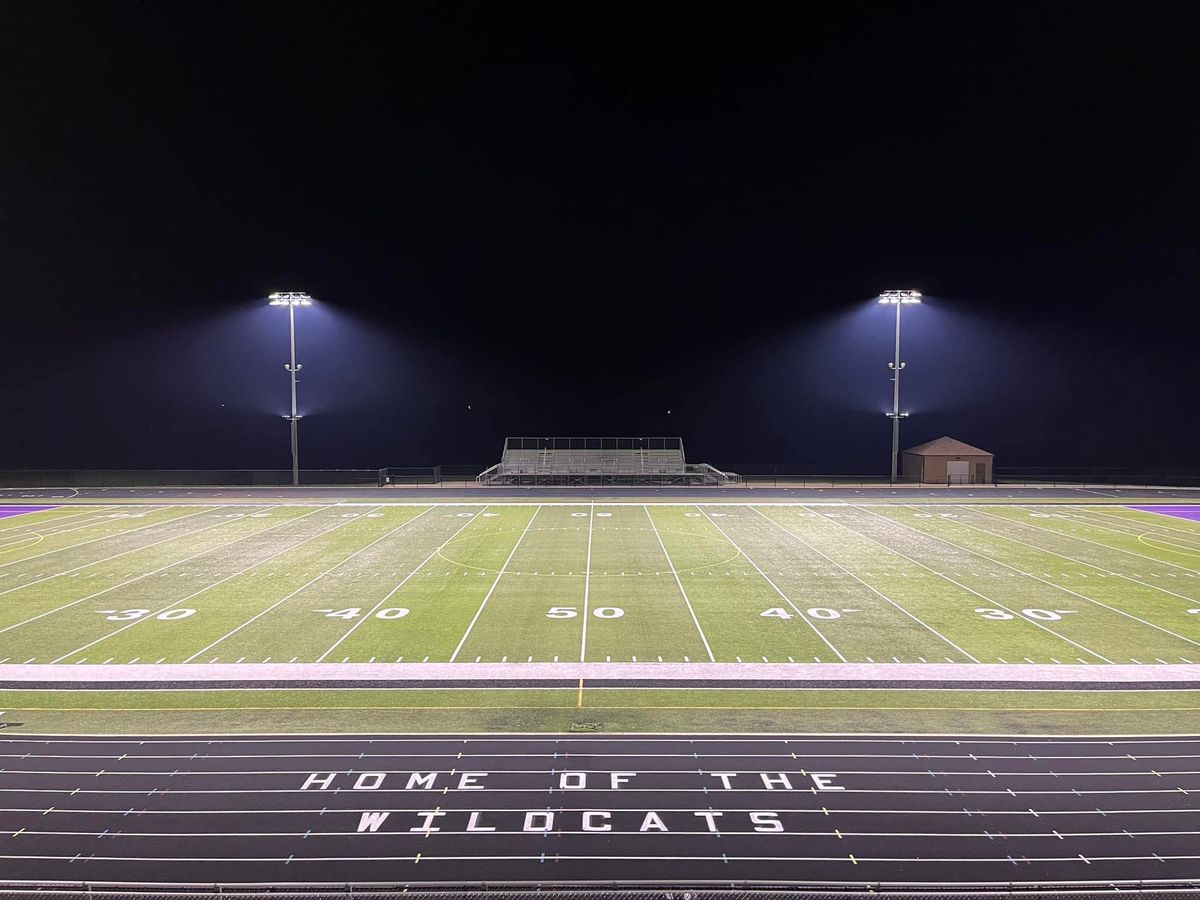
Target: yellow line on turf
<point>1156,543</point>
<point>579,702</point>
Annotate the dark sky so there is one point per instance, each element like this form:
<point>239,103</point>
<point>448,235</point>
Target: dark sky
<point>572,218</point>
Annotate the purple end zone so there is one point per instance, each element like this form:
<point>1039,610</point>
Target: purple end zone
<point>1179,512</point>
<point>6,511</point>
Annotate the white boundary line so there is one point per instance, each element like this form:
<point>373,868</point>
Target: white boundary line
<point>306,584</point>
<point>683,592</point>
<point>786,599</point>
<point>208,587</point>
<point>403,581</point>
<point>496,581</point>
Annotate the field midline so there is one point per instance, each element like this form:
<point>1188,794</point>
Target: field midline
<point>1180,675</point>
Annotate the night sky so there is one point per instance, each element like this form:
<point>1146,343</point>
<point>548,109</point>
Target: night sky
<point>574,218</point>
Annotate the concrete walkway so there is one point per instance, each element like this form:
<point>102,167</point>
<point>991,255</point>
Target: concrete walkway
<point>783,674</point>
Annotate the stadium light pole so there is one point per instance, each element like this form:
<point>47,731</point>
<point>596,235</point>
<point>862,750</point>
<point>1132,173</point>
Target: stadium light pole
<point>898,299</point>
<point>292,299</point>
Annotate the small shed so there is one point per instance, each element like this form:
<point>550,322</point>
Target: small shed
<point>947,461</point>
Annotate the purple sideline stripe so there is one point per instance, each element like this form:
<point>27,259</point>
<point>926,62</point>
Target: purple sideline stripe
<point>6,511</point>
<point>1179,512</point>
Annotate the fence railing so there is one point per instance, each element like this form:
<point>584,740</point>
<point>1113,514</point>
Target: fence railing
<point>76,478</point>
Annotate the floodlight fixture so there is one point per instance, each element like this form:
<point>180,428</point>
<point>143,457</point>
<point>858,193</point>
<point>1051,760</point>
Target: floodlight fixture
<point>292,299</point>
<point>898,299</point>
<point>895,297</point>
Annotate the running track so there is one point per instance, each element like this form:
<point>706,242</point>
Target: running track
<point>911,810</point>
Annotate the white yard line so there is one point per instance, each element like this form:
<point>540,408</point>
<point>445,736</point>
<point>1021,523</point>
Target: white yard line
<point>587,585</point>
<point>990,600</point>
<point>1141,525</point>
<point>302,587</point>
<point>128,580</point>
<point>1109,547</point>
<point>52,522</point>
<point>786,599</point>
<point>873,590</point>
<point>683,592</point>
<point>496,581</point>
<point>1191,600</point>
<point>117,534</point>
<point>51,530</point>
<point>403,582</point>
<point>207,587</point>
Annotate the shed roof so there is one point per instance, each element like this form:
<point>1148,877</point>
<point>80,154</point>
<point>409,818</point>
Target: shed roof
<point>946,446</point>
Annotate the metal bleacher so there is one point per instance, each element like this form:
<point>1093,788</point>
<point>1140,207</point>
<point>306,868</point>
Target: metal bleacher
<point>599,461</point>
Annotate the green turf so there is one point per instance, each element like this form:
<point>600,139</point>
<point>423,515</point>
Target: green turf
<point>604,710</point>
<point>610,582</point>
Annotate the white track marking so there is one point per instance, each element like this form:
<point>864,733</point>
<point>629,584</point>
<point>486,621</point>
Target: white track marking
<point>302,587</point>
<point>922,774</point>
<point>208,587</point>
<point>1081,562</point>
<point>137,578</point>
<point>403,582</point>
<point>568,810</point>
<point>879,593</point>
<point>687,601</point>
<point>767,578</point>
<point>1109,547</point>
<point>964,587</point>
<point>587,586</point>
<point>496,581</point>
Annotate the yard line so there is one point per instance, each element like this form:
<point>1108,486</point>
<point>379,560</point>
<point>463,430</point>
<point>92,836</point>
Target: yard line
<point>208,587</point>
<point>496,581</point>
<point>767,578</point>
<point>884,596</point>
<point>1191,600</point>
<point>403,582</point>
<point>302,587</point>
<point>1110,547</point>
<point>682,591</point>
<point>964,587</point>
<point>104,537</point>
<point>52,523</point>
<point>128,581</point>
<point>587,583</point>
<point>1138,523</point>
<point>53,530</point>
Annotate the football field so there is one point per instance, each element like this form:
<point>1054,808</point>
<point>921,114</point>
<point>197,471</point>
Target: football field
<point>612,583</point>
